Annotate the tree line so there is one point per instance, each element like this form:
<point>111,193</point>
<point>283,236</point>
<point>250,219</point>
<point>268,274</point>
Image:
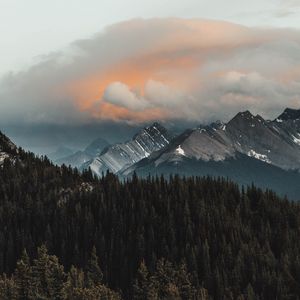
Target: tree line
<point>45,278</point>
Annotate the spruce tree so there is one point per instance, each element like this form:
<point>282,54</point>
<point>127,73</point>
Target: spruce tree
<point>93,272</point>
<point>23,276</point>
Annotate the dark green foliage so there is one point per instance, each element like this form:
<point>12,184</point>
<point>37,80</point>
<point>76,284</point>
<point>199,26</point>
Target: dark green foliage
<point>47,276</point>
<point>8,288</point>
<point>45,280</point>
<point>93,272</point>
<point>234,244</point>
<point>23,275</point>
<point>167,282</point>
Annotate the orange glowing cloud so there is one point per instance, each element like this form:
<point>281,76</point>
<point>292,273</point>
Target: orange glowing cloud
<point>174,50</point>
<point>143,70</point>
<point>134,73</point>
<point>113,112</point>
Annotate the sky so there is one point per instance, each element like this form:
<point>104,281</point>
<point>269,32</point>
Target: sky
<point>74,70</point>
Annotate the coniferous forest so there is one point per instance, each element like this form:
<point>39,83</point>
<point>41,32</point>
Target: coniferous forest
<point>66,235</point>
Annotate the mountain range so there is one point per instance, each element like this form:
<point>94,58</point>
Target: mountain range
<point>64,155</point>
<point>247,149</point>
<point>273,142</point>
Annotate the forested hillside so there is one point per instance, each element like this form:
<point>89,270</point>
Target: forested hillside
<point>155,238</point>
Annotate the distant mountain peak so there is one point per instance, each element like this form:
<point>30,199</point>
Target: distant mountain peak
<point>155,129</point>
<point>96,147</point>
<point>60,152</point>
<point>156,126</point>
<point>218,125</point>
<point>115,157</point>
<point>247,120</point>
<point>245,115</point>
<point>289,114</point>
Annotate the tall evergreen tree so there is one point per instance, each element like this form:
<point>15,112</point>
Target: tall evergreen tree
<point>23,276</point>
<point>93,272</point>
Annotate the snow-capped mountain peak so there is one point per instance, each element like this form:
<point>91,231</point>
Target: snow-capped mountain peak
<point>119,156</point>
<point>246,134</point>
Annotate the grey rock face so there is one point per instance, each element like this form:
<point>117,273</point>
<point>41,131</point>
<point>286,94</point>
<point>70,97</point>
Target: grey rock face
<point>274,142</point>
<point>289,114</point>
<point>119,156</point>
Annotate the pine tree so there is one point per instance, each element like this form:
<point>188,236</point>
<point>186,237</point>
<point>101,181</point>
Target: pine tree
<point>23,276</point>
<point>184,282</point>
<point>93,272</point>
<point>47,276</point>
<point>250,295</point>
<point>8,288</point>
<point>74,284</point>
<point>143,287</point>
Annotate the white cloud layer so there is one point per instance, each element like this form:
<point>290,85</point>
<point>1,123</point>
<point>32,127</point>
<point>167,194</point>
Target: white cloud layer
<point>142,70</point>
<point>119,94</point>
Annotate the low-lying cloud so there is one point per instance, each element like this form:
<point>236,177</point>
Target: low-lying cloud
<point>169,69</point>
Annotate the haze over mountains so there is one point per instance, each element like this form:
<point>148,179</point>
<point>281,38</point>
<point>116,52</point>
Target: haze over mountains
<point>274,142</point>
<point>78,158</point>
<point>247,149</point>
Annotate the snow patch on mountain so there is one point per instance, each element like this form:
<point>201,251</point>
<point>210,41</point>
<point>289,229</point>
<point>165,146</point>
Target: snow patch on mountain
<point>296,140</point>
<point>259,156</point>
<point>180,151</point>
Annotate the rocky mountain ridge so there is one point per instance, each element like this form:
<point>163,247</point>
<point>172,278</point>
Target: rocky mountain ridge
<point>119,156</point>
<point>273,142</point>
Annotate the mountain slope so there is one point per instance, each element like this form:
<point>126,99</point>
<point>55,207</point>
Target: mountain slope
<point>75,160</point>
<point>119,156</point>
<point>7,148</point>
<point>242,169</point>
<point>96,147</point>
<point>247,149</point>
<point>79,158</point>
<point>271,142</point>
<point>60,153</point>
<point>289,114</point>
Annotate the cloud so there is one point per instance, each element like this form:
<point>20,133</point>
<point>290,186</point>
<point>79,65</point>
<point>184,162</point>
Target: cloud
<point>119,94</point>
<point>287,8</point>
<point>168,69</point>
<point>290,3</point>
